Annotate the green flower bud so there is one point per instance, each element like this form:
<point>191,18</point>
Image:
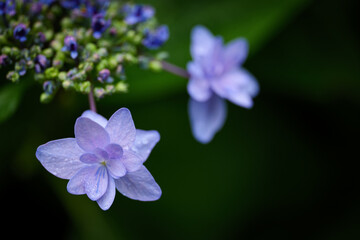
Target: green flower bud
<point>13,76</point>
<point>62,76</point>
<point>84,87</point>
<point>46,98</point>
<point>91,47</point>
<point>48,52</point>
<point>51,73</point>
<point>67,84</point>
<point>155,65</point>
<point>121,87</point>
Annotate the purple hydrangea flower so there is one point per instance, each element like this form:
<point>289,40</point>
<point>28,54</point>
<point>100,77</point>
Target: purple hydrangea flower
<point>155,39</point>
<point>99,25</point>
<point>138,13</point>
<point>49,87</point>
<point>70,46</point>
<point>104,76</point>
<point>215,75</point>
<point>7,7</point>
<point>104,156</point>
<point>41,63</point>
<point>20,32</point>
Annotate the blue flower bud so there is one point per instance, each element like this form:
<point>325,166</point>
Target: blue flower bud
<point>99,25</point>
<point>20,32</point>
<point>7,7</point>
<point>48,87</point>
<point>4,59</point>
<point>70,46</point>
<point>41,63</point>
<point>104,76</point>
<point>137,13</point>
<point>156,38</point>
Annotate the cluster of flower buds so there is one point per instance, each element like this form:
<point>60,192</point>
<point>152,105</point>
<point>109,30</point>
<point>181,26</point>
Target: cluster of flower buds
<point>80,45</point>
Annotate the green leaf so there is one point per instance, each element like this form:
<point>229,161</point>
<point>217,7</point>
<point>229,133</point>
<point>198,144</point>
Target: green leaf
<point>10,97</point>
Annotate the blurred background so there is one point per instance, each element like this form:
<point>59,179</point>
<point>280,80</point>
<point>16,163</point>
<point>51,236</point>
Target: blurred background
<point>286,169</point>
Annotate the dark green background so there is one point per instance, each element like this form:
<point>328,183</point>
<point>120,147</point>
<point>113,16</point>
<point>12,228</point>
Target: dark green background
<point>286,169</point>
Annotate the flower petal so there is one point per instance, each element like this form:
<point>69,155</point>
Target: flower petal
<point>107,199</point>
<point>132,161</point>
<point>116,168</point>
<point>114,151</point>
<point>121,127</point>
<point>139,185</point>
<point>61,157</point>
<point>235,53</point>
<point>90,135</point>
<point>76,185</point>
<point>95,117</point>
<point>144,142</point>
<point>96,182</point>
<point>238,86</point>
<point>89,158</point>
<point>207,118</point>
<point>202,42</point>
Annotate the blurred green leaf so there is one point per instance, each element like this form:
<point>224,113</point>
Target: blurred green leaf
<point>10,97</point>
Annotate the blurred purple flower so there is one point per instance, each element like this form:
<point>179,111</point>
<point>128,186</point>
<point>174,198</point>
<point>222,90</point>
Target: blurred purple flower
<point>156,38</point>
<point>7,7</point>
<point>41,63</point>
<point>104,76</point>
<point>104,156</point>
<point>70,4</point>
<point>70,46</point>
<point>99,25</point>
<point>215,75</point>
<point>138,13</point>
<point>20,32</point>
<point>49,87</point>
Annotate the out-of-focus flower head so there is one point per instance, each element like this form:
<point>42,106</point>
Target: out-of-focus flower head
<point>215,75</point>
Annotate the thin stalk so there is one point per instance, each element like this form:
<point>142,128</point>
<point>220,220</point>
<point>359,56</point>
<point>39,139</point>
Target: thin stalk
<point>91,98</point>
<point>171,68</point>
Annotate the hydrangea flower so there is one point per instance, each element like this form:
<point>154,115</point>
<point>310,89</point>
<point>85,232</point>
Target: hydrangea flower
<point>138,13</point>
<point>70,46</point>
<point>20,32</point>
<point>104,156</point>
<point>215,75</point>
<point>71,4</point>
<point>155,39</point>
<point>99,25</point>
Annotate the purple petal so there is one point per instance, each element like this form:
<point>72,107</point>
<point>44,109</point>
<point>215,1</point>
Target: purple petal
<point>61,157</point>
<point>144,142</point>
<point>89,158</point>
<point>121,128</point>
<point>202,42</point>
<point>96,182</point>
<point>90,135</point>
<point>139,185</point>
<point>116,168</point>
<point>76,184</point>
<point>114,151</point>
<point>95,117</point>
<point>132,161</point>
<point>107,199</point>
<point>235,53</point>
<point>207,118</point>
<point>198,86</point>
<point>237,86</point>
